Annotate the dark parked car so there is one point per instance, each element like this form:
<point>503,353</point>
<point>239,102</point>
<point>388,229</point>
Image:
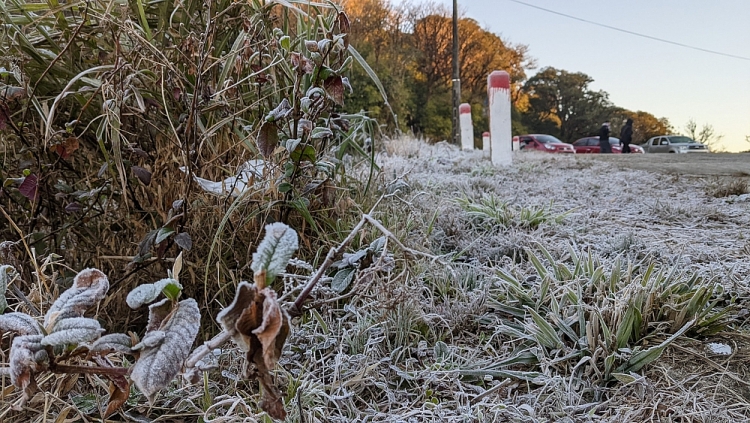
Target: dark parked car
<point>674,144</point>
<point>591,145</point>
<point>541,142</point>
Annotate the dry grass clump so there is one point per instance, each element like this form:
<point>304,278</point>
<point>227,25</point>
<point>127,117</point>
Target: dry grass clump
<point>727,186</point>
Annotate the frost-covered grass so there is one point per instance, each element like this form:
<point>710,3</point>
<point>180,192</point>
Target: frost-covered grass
<point>602,310</point>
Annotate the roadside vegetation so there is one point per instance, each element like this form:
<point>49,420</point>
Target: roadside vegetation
<point>335,274</point>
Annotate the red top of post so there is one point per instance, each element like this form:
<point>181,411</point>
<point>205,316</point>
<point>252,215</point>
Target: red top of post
<point>485,134</point>
<point>464,108</point>
<point>499,79</point>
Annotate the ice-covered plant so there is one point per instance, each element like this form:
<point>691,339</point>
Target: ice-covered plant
<point>69,342</point>
<point>255,321</point>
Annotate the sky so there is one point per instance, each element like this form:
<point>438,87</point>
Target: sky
<point>666,80</point>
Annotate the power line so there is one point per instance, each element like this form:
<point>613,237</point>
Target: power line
<point>631,32</point>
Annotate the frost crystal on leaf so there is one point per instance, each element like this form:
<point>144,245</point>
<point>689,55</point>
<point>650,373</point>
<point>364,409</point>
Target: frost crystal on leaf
<point>151,340</point>
<point>159,364</point>
<point>89,287</point>
<point>275,250</point>
<point>73,331</point>
<point>7,274</point>
<point>113,342</point>
<point>19,323</point>
<point>27,356</point>
<point>146,293</point>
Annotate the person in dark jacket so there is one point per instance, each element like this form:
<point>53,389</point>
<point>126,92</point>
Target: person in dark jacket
<point>604,146</point>
<point>626,135</point>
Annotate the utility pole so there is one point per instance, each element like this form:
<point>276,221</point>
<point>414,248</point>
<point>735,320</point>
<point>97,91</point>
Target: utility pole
<point>456,78</point>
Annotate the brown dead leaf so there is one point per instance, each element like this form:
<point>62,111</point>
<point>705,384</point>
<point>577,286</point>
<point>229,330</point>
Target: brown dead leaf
<point>261,327</point>
<point>268,139</point>
<point>334,86</point>
<point>117,397</point>
<point>67,147</point>
<point>270,327</point>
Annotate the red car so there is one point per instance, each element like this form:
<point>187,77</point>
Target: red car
<point>541,142</point>
<point>591,145</point>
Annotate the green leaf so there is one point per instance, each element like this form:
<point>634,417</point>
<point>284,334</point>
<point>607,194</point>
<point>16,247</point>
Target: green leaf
<point>306,153</point>
<point>342,279</point>
<point>640,359</point>
<point>275,250</point>
<point>374,76</point>
<point>172,291</point>
<point>284,187</point>
<point>285,42</point>
<point>147,293</point>
<point>441,350</point>
<point>624,377</point>
<point>163,234</point>
<point>545,334</point>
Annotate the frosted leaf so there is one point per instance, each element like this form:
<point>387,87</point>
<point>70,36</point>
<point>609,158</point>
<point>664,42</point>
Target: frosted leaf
<point>7,274</point>
<point>260,328</point>
<point>273,330</point>
<point>275,250</point>
<point>151,340</point>
<point>27,357</point>
<point>147,293</point>
<point>89,287</point>
<point>244,298</point>
<point>19,323</point>
<point>157,312</point>
<point>73,331</point>
<point>158,365</point>
<point>113,342</point>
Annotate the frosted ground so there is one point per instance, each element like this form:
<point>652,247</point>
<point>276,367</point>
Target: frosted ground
<point>615,206</point>
<point>440,336</point>
<point>377,363</point>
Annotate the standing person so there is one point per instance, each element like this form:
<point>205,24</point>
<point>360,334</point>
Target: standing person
<point>604,146</point>
<point>626,135</point>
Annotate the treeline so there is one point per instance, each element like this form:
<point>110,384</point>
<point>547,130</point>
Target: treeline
<point>409,48</point>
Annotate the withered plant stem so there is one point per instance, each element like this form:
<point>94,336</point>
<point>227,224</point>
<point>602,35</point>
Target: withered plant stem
<point>207,347</point>
<point>335,252</point>
<point>92,370</point>
<point>39,274</point>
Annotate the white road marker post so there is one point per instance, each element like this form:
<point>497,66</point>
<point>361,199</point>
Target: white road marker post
<point>486,144</point>
<point>467,127</point>
<point>498,91</point>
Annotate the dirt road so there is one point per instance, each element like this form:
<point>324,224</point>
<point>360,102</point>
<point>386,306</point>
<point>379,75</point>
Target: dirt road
<point>718,164</point>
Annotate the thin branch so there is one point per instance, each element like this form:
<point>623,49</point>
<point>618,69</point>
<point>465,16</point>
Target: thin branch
<point>296,308</point>
<point>91,370</point>
<point>335,252</point>
<point>207,347</point>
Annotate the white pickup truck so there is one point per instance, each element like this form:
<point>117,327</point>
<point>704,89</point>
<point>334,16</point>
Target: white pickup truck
<point>674,144</point>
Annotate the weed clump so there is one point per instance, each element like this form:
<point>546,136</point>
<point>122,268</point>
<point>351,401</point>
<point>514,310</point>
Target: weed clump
<point>725,187</point>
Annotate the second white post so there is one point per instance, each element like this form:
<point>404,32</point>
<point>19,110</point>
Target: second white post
<point>467,127</point>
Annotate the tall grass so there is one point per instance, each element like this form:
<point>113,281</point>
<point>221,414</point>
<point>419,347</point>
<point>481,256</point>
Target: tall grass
<point>104,101</point>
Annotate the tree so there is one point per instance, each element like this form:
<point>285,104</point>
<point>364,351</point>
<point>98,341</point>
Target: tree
<point>645,125</point>
<point>706,135</point>
<point>480,52</point>
<point>561,103</point>
<point>376,32</point>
